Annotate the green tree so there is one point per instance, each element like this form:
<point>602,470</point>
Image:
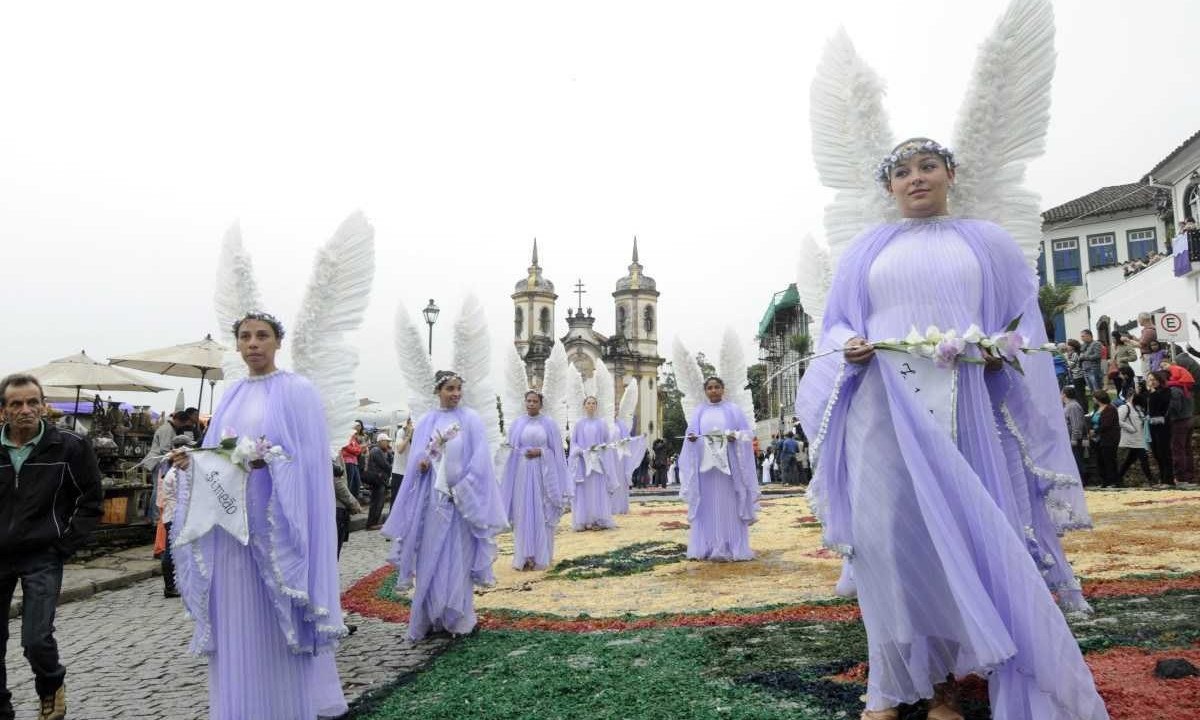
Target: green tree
<point>757,375</point>
<point>800,343</point>
<point>1053,300</point>
<point>674,424</point>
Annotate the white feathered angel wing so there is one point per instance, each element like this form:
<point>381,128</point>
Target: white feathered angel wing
<point>555,382</point>
<point>850,135</point>
<point>814,274</point>
<point>733,372</point>
<point>687,377</point>
<point>415,364</point>
<point>576,392</point>
<point>606,393</point>
<point>236,294</point>
<point>473,361</point>
<point>333,305</point>
<point>516,384</point>
<point>629,402</point>
<point>1003,122</point>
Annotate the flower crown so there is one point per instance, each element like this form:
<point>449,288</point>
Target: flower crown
<point>442,380</point>
<point>268,318</point>
<point>883,171</point>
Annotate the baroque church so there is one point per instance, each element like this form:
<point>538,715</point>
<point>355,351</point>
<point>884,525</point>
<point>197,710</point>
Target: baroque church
<point>630,351</point>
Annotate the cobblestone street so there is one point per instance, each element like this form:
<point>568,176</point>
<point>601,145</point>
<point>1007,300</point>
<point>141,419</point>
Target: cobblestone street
<point>125,651</point>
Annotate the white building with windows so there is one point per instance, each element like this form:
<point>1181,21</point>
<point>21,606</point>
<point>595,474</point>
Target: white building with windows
<point>1088,241</point>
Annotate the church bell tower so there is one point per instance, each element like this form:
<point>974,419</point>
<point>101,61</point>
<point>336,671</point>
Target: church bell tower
<point>533,319</point>
<point>634,344</point>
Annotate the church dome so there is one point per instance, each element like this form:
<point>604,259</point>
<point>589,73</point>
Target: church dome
<point>635,280</point>
<point>534,281</point>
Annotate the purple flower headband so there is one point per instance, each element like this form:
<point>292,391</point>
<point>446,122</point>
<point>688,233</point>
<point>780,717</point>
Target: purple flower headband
<point>883,171</point>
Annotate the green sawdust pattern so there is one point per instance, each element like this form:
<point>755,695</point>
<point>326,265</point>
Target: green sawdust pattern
<point>763,672</point>
<point>625,560</point>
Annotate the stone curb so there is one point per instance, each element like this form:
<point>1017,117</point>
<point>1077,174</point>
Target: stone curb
<point>85,590</point>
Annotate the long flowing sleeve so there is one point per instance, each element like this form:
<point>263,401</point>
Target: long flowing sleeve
<point>477,497</point>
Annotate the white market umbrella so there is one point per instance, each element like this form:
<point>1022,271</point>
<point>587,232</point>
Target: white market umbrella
<point>201,359</point>
<point>80,372</point>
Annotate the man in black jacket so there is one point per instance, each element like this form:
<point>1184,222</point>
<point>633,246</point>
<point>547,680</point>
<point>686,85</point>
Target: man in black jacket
<point>50,499</point>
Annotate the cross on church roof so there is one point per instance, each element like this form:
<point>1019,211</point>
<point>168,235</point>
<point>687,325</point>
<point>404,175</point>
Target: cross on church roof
<point>580,291</point>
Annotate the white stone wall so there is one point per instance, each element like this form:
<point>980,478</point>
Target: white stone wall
<point>1119,227</point>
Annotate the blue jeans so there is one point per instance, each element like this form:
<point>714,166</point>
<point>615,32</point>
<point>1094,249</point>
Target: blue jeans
<point>353,479</point>
<point>40,573</point>
<point>1094,380</point>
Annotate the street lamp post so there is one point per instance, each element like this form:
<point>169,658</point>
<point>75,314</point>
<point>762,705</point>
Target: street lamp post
<point>431,315</point>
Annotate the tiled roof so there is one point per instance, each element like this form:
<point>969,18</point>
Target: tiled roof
<point>1171,157</point>
<point>1105,201</point>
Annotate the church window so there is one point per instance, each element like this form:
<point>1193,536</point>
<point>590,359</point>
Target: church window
<point>519,321</point>
<point>648,318</point>
<point>544,321</point>
<point>622,318</point>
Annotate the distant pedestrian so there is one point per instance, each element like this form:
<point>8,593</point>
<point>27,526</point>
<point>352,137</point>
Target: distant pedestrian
<point>789,450</point>
<point>1132,419</point>
<point>1090,356</point>
<point>1076,426</point>
<point>1108,437</point>
<point>400,458</point>
<point>354,448</point>
<point>376,475</point>
<point>1158,411</point>
<point>167,495</point>
<point>345,505</point>
<point>43,521</point>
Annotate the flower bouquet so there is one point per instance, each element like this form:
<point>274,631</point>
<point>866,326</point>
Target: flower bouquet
<point>246,452</point>
<point>947,347</point>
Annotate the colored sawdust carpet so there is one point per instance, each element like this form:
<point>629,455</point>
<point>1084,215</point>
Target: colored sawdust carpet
<point>623,626</point>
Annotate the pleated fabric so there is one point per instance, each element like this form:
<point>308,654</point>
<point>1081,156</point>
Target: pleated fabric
<point>591,507</point>
<point>267,614</point>
<point>721,507</point>
<point>950,531</point>
<point>535,490</point>
<point>444,544</point>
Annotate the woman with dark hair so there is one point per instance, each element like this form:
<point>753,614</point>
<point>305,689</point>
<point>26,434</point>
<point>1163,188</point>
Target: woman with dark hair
<point>352,451</point>
<point>594,470</point>
<point>267,613</point>
<point>535,488</point>
<point>945,482</point>
<point>1131,417</point>
<point>718,481</point>
<point>1075,374</point>
<point>1158,410</point>
<point>445,522</point>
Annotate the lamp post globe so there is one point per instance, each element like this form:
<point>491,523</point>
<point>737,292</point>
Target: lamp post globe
<point>431,315</point>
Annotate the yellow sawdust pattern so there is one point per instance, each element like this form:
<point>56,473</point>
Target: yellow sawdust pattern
<point>1127,539</point>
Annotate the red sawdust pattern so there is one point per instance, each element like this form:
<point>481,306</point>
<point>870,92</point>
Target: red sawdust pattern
<point>676,511</point>
<point>1125,679</point>
<point>1122,587</point>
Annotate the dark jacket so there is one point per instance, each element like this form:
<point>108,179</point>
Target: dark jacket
<point>55,500</point>
<point>1109,432</point>
<point>379,466</point>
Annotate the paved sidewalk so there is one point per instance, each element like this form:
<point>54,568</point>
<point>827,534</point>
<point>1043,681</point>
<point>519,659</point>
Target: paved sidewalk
<point>126,649</point>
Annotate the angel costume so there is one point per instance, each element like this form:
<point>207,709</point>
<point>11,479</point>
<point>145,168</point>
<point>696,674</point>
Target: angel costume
<point>629,451</point>
<point>267,614</point>
<point>594,472</point>
<point>950,519</point>
<point>445,521</point>
<point>718,483</point>
<point>534,490</point>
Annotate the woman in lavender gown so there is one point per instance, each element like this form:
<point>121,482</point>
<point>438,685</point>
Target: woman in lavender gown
<point>947,487</point>
<point>267,614</point>
<point>593,468</point>
<point>445,522</point>
<point>536,488</point>
<point>719,483</point>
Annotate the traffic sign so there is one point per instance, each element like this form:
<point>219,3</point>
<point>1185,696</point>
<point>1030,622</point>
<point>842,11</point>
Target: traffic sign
<point>1171,327</point>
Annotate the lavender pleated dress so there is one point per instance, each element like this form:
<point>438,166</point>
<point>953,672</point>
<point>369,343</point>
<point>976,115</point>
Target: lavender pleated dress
<point>947,489</point>
<point>594,482</point>
<point>534,490</point>
<point>268,614</point>
<point>721,505</point>
<point>629,452</point>
<point>444,542</point>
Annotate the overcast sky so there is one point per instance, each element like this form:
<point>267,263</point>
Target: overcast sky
<point>133,134</point>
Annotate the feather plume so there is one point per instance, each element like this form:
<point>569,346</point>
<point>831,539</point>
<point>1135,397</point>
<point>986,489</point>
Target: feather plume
<point>415,364</point>
<point>517,384</point>
<point>576,392</point>
<point>1003,122</point>
<point>555,386</point>
<point>629,401</point>
<point>733,372</point>
<point>850,136</point>
<point>333,305</point>
<point>687,377</point>
<point>473,361</point>
<point>813,278</point>
<point>605,392</point>
<point>236,294</point>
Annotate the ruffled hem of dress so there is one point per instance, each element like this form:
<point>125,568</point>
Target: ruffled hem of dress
<point>1062,514</point>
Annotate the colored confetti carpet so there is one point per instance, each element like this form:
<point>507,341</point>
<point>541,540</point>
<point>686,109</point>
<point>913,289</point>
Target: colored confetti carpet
<point>623,626</point>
